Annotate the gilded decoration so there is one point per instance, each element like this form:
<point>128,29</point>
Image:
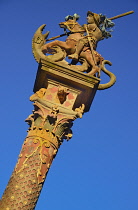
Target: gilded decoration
<point>53,118</point>
<point>42,142</point>
<point>49,125</point>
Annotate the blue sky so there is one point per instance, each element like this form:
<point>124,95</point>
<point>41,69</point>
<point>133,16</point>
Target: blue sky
<point>98,168</point>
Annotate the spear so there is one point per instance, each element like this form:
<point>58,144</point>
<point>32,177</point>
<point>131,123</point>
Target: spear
<point>55,37</point>
<point>91,47</point>
<point>121,15</point>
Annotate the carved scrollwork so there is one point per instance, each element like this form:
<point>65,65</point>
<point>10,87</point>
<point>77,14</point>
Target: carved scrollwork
<point>110,74</point>
<point>39,40</point>
<point>55,119</point>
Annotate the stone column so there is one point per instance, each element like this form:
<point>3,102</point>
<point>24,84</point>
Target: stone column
<point>60,96</point>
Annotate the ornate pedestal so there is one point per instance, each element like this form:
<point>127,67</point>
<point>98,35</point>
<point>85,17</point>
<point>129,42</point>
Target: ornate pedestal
<point>60,96</point>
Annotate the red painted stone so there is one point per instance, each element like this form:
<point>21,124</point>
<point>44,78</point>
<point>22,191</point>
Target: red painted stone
<point>49,97</point>
<point>70,96</point>
<point>53,89</point>
<point>67,103</point>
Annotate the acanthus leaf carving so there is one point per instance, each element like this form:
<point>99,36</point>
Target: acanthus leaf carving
<point>53,118</point>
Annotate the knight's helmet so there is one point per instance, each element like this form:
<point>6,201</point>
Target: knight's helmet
<point>96,17</point>
<point>103,23</point>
